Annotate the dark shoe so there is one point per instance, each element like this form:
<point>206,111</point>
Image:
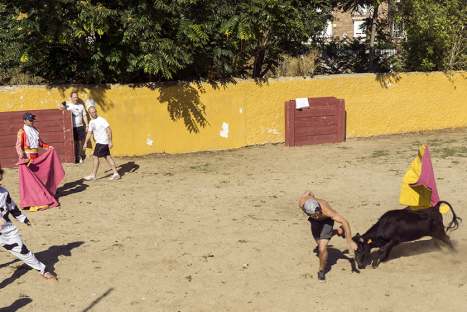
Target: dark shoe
<point>342,232</point>
<point>321,277</point>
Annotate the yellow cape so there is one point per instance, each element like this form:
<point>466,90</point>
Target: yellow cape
<point>418,196</point>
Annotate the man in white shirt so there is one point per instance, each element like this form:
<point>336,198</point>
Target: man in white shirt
<point>79,115</point>
<point>103,137</point>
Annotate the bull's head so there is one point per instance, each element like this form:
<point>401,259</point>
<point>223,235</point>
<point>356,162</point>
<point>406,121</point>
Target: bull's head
<point>363,250</point>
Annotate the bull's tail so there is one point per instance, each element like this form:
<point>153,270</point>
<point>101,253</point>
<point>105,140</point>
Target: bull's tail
<point>454,224</point>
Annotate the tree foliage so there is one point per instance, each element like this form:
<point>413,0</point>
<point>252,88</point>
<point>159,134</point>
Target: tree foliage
<point>260,30</point>
<point>108,41</point>
<point>436,34</point>
<point>372,21</point>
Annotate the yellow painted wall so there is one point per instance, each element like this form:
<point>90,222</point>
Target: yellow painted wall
<point>175,118</point>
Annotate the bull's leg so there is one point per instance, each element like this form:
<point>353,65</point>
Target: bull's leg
<point>445,238</point>
<point>386,256</point>
<point>384,250</point>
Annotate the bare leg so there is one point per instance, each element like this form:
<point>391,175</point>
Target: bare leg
<point>111,163</point>
<point>323,253</point>
<point>95,165</point>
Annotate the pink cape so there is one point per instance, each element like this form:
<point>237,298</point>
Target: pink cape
<point>38,182</point>
<point>427,178</point>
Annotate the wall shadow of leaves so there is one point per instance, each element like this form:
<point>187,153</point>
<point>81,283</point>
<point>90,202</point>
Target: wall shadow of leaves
<point>95,92</point>
<point>385,80</point>
<point>183,102</point>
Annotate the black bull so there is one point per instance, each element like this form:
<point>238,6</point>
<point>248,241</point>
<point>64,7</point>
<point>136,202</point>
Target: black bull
<point>398,226</point>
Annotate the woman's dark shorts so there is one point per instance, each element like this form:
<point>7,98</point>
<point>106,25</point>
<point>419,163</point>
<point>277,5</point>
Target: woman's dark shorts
<point>78,134</point>
<point>321,229</point>
<point>101,150</point>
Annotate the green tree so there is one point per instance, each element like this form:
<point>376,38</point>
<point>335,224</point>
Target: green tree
<point>436,32</point>
<point>261,30</point>
<point>373,6</point>
<point>97,41</point>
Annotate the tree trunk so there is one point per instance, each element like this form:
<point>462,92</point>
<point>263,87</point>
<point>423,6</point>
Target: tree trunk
<point>258,65</point>
<point>372,39</point>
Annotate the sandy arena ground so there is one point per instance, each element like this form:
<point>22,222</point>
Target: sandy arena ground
<point>222,231</point>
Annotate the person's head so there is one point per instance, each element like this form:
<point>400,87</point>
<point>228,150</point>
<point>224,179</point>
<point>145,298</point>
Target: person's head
<point>74,97</point>
<point>1,176</point>
<point>89,103</point>
<point>28,119</point>
<point>93,112</point>
<point>311,207</point>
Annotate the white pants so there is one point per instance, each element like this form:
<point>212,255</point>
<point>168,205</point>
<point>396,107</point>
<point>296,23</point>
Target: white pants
<point>11,241</point>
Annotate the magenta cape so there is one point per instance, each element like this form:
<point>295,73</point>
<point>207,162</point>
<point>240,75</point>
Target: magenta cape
<point>38,182</point>
<point>427,178</point>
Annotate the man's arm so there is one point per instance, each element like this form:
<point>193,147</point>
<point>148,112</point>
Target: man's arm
<point>62,105</point>
<point>328,211</point>
<point>85,119</point>
<point>15,212</point>
<point>19,144</point>
<point>109,132</point>
<point>45,145</point>
<point>88,136</point>
<point>305,197</point>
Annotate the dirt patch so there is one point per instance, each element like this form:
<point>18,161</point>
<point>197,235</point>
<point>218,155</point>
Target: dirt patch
<point>222,231</point>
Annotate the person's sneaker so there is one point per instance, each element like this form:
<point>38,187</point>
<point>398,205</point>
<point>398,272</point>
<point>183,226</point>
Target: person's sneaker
<point>115,176</point>
<point>80,160</point>
<point>48,276</point>
<point>90,177</point>
<point>321,277</point>
<point>341,232</point>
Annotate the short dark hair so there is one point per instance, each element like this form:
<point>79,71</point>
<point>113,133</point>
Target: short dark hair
<point>71,94</point>
<point>1,171</point>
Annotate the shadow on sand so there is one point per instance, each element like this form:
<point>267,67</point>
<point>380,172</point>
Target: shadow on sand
<point>49,257</point>
<point>334,255</point>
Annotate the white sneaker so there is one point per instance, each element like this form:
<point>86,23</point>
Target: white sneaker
<point>90,177</point>
<point>80,160</point>
<point>115,176</point>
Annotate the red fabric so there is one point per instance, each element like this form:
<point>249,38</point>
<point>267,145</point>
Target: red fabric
<point>427,177</point>
<point>38,182</point>
<point>33,155</point>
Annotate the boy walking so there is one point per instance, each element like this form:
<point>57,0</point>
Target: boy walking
<point>9,234</point>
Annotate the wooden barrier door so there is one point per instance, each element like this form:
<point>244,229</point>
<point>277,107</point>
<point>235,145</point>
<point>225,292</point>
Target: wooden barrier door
<point>55,128</point>
<point>322,122</point>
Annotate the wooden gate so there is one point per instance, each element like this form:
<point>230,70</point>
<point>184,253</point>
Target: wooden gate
<point>55,128</point>
<point>322,122</point>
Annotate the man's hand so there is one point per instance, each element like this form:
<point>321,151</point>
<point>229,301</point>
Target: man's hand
<point>111,145</point>
<point>51,147</point>
<point>352,245</point>
<point>29,224</point>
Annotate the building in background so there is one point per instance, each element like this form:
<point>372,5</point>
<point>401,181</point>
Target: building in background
<point>349,24</point>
